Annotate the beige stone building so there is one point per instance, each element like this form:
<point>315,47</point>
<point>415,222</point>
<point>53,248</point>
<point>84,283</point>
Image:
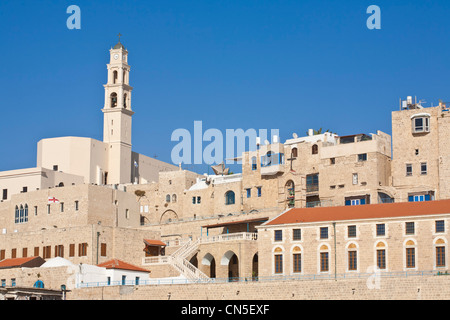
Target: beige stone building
<point>91,201</point>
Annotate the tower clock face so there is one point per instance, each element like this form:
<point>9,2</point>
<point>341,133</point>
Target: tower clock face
<point>116,56</point>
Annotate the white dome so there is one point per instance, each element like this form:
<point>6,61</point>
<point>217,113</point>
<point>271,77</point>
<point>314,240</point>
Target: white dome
<point>56,262</point>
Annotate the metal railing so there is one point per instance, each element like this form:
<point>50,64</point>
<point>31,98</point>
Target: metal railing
<point>325,276</point>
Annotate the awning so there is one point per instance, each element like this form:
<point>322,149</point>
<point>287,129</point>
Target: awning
<point>225,224</point>
<point>158,243</point>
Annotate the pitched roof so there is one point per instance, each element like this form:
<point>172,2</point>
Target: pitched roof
<point>119,264</point>
<point>150,242</point>
<point>369,211</point>
<point>21,262</point>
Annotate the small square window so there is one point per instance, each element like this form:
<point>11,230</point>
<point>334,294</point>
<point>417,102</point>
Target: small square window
<point>332,160</point>
<point>351,231</point>
<point>409,228</point>
<point>440,226</point>
<point>409,170</point>
<point>278,235</point>
<point>423,168</point>
<point>297,234</point>
<point>381,229</point>
<point>324,233</point>
<point>362,157</point>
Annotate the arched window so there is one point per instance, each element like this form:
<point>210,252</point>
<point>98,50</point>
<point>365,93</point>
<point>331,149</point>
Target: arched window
<point>229,197</point>
<point>125,100</point>
<point>174,198</point>
<point>113,100</point>
<point>26,213</point>
<point>294,153</point>
<point>315,149</point>
<point>21,214</point>
<point>124,77</point>
<point>16,217</point>
<point>39,284</point>
<point>115,77</point>
<point>254,164</point>
<point>168,198</point>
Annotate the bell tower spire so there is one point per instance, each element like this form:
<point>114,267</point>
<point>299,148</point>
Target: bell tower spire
<point>117,114</point>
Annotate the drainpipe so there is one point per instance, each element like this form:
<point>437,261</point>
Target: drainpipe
<point>335,266</point>
<point>98,235</point>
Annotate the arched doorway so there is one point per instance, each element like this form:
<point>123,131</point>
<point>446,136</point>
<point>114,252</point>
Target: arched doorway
<point>255,267</point>
<point>231,260</point>
<point>209,261</point>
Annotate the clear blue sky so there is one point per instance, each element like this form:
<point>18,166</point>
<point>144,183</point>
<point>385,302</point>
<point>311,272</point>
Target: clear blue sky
<point>288,65</point>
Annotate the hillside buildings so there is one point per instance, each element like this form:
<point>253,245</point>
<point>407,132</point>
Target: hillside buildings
<point>92,202</point>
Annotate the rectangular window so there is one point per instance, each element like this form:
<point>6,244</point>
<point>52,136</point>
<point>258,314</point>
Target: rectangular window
<point>59,251</point>
<point>62,206</point>
<point>312,182</point>
<point>278,263</point>
<point>381,259</point>
<point>35,210</point>
<point>324,262</point>
<point>324,233</point>
<point>278,235</point>
<point>76,205</point>
<point>24,252</point>
<point>2,254</point>
<point>421,124</point>
<point>259,191</point>
<point>440,256</point>
<point>423,168</point>
<point>194,200</point>
<point>48,209</point>
<point>13,253</point>
<point>381,230</point>
<point>362,157</point>
<point>410,257</point>
<point>36,251</point>
<point>199,200</point>
<point>351,231</point>
<point>297,262</point>
<point>24,189</point>
<point>82,249</point>
<point>5,194</point>
<point>72,250</point>
<point>332,160</point>
<point>409,228</point>
<point>440,226</point>
<point>409,170</point>
<point>297,234</point>
<point>103,249</point>
<point>352,260</point>
<point>249,192</point>
<point>47,252</point>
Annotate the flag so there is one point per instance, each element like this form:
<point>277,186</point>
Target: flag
<point>52,200</point>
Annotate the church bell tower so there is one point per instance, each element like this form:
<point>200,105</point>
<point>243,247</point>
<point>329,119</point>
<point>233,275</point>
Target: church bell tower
<point>117,114</point>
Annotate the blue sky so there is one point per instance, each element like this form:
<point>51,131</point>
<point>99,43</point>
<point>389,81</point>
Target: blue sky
<point>287,65</point>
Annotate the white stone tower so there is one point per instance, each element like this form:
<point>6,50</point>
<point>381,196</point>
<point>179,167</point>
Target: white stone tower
<point>117,117</point>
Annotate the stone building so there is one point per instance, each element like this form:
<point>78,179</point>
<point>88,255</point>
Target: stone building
<point>91,201</point>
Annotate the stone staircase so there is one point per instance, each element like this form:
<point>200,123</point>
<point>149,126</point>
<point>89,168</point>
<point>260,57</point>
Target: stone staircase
<point>179,261</point>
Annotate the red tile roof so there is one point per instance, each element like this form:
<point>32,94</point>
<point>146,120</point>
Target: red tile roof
<point>21,262</point>
<point>370,211</point>
<point>154,243</point>
<point>119,264</point>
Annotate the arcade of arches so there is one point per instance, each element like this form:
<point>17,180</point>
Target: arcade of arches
<point>233,261</point>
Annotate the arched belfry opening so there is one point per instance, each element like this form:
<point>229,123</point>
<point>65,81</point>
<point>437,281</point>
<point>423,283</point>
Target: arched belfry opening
<point>113,98</point>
